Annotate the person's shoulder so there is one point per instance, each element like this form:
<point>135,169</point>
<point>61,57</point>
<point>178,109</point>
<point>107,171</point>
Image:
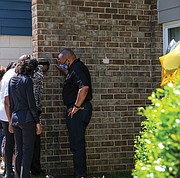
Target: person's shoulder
<point>25,79</point>
<point>81,63</point>
<point>40,69</point>
<point>78,63</point>
<point>7,73</point>
<point>10,73</point>
<point>39,73</point>
<point>83,66</point>
<point>7,76</point>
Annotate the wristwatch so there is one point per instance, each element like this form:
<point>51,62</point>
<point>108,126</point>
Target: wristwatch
<point>77,106</point>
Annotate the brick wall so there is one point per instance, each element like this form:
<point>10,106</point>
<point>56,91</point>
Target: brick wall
<point>123,32</point>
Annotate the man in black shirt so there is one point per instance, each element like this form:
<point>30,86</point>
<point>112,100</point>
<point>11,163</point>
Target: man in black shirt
<point>77,94</point>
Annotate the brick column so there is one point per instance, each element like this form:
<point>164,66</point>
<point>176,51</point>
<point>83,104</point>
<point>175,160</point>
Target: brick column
<point>120,41</point>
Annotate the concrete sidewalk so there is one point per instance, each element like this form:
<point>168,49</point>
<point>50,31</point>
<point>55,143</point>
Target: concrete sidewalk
<point>1,174</point>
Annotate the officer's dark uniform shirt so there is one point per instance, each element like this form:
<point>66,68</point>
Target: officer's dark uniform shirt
<point>78,76</point>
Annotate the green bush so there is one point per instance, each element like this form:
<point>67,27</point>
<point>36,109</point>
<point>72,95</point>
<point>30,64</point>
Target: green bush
<point>158,144</point>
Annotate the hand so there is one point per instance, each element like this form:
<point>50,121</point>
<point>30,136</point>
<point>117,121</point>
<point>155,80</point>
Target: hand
<point>38,129</point>
<point>58,66</point>
<point>10,128</point>
<point>73,110</point>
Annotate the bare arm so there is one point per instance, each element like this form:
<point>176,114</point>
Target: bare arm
<point>8,112</point>
<point>82,93</point>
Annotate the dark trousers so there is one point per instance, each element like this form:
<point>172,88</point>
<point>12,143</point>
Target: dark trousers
<point>24,146</point>
<point>76,128</point>
<point>1,138</point>
<point>36,164</point>
<point>9,147</point>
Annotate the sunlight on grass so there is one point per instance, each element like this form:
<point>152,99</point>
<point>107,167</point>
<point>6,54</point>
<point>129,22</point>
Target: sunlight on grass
<point>97,175</point>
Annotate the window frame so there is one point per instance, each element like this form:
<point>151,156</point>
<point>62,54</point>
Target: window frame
<point>166,27</point>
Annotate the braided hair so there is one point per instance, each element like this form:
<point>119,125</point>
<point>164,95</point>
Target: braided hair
<point>26,65</point>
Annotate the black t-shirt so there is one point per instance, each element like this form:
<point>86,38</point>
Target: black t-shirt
<point>78,76</point>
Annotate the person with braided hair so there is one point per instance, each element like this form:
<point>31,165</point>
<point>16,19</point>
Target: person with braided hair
<point>24,114</point>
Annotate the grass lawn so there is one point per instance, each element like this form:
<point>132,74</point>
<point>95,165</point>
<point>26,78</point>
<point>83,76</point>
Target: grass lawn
<point>112,175</point>
<point>107,175</point>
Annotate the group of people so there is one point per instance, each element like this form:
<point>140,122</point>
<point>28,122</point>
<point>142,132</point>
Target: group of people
<point>20,112</point>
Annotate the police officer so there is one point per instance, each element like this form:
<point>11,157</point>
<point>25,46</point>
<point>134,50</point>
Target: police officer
<point>77,94</point>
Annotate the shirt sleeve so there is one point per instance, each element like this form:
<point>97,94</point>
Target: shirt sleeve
<point>38,88</point>
<point>80,78</point>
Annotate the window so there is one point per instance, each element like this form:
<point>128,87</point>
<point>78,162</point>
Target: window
<point>15,17</point>
<point>171,31</point>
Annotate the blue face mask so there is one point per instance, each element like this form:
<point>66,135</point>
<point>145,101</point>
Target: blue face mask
<point>63,66</point>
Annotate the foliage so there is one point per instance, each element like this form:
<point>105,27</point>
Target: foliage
<point>158,144</point>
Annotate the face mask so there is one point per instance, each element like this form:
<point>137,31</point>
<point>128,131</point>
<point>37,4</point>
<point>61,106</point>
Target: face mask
<point>63,66</point>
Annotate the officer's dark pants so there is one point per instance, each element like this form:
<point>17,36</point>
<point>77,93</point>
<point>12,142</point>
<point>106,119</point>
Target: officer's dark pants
<point>36,164</point>
<point>24,146</point>
<point>77,127</point>
<point>9,147</point>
